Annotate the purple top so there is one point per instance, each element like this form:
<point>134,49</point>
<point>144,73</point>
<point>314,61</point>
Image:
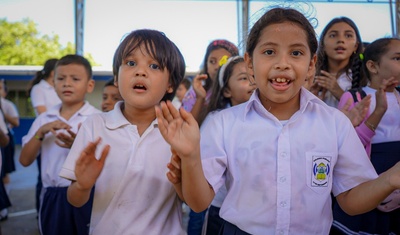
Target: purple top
<point>189,99</point>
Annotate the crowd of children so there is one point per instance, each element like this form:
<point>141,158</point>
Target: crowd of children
<point>296,136</point>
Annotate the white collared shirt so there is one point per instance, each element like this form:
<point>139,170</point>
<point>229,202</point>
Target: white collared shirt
<point>279,176</point>
<point>52,155</point>
<point>132,194</point>
<point>43,94</point>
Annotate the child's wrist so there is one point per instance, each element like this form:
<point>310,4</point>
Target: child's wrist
<point>39,136</point>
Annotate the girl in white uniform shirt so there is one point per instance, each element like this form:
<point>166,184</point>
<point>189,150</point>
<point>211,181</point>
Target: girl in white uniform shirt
<point>41,90</point>
<point>281,153</point>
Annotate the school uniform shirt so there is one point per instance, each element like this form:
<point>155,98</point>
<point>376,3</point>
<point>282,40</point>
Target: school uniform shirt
<point>279,174</point>
<point>43,94</point>
<point>52,155</point>
<point>388,129</point>
<point>9,108</point>
<point>132,194</point>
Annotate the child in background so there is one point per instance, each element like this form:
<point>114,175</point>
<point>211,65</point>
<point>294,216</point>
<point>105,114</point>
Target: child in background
<point>281,153</point>
<point>233,86</point>
<point>132,195</point>
<point>52,133</point>
<point>380,134</point>
<point>11,117</point>
<point>181,91</point>
<point>197,98</point>
<point>110,96</point>
<point>4,199</point>
<point>338,64</point>
<point>43,97</point>
<point>41,88</point>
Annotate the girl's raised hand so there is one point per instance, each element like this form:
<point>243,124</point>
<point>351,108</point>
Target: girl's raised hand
<point>358,112</point>
<point>174,166</point>
<point>88,168</point>
<point>380,94</point>
<point>329,82</point>
<point>179,128</point>
<point>198,85</point>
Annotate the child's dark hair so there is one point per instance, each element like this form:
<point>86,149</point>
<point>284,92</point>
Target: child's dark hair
<point>42,74</point>
<point>218,100</point>
<point>187,83</point>
<point>280,15</point>
<point>109,82</point>
<point>217,44</point>
<point>374,51</point>
<point>354,63</point>
<point>160,48</point>
<point>76,59</point>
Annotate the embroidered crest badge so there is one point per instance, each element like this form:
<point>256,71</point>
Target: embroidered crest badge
<point>321,171</point>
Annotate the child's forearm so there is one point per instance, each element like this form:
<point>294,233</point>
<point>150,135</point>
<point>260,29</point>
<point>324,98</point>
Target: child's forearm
<point>365,196</point>
<point>76,196</point>
<point>196,190</point>
<point>30,150</point>
<point>4,139</point>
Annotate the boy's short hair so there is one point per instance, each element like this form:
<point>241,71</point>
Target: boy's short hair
<point>76,59</point>
<point>109,82</point>
<point>160,48</point>
<point>187,83</point>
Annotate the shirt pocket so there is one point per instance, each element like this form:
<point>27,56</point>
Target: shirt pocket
<point>319,168</point>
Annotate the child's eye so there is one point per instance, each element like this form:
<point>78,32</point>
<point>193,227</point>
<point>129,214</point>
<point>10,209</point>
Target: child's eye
<point>60,78</point>
<point>349,35</point>
<point>212,61</point>
<point>76,79</point>
<point>297,53</point>
<point>104,97</point>
<point>131,63</point>
<point>332,35</point>
<point>154,66</point>
<point>269,52</point>
<point>396,58</point>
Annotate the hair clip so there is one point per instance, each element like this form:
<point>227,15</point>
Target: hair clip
<point>223,60</point>
<point>361,55</point>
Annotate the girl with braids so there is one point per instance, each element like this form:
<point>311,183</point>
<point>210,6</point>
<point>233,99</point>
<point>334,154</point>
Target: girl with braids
<point>380,134</point>
<point>338,64</point>
<point>41,88</point>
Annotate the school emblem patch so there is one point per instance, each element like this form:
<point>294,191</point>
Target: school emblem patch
<point>321,171</point>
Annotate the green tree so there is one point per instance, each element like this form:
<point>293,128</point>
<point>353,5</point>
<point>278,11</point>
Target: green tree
<point>22,44</point>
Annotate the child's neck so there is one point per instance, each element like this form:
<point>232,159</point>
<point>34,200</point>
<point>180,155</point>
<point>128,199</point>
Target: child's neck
<point>337,66</point>
<point>283,111</point>
<point>68,110</point>
<point>142,118</point>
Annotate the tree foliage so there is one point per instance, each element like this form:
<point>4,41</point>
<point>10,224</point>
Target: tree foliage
<point>22,44</point>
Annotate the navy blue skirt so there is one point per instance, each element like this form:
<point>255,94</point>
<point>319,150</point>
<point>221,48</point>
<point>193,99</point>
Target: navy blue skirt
<point>230,229</point>
<point>59,217</point>
<point>383,157</point>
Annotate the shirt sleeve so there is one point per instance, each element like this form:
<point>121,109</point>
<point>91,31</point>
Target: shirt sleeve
<point>37,96</point>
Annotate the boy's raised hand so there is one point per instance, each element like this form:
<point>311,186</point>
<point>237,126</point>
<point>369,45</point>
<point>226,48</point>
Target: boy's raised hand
<point>179,129</point>
<point>88,168</point>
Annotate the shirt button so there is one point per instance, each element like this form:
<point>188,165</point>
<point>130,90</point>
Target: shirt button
<point>283,155</point>
<point>283,204</point>
<point>282,179</point>
<point>281,232</point>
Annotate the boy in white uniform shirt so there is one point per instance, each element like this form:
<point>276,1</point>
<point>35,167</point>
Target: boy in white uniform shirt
<point>52,133</point>
<point>280,154</point>
<point>132,193</point>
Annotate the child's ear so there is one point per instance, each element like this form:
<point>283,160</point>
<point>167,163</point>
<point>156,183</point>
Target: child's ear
<point>90,86</point>
<point>170,89</point>
<point>311,67</point>
<point>115,81</point>
<point>249,64</point>
<point>227,93</point>
<point>372,67</point>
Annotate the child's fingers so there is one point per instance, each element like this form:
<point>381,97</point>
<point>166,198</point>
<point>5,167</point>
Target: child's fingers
<point>173,111</point>
<point>188,117</point>
<point>104,153</point>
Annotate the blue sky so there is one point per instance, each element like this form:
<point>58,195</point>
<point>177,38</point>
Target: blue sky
<point>190,24</point>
